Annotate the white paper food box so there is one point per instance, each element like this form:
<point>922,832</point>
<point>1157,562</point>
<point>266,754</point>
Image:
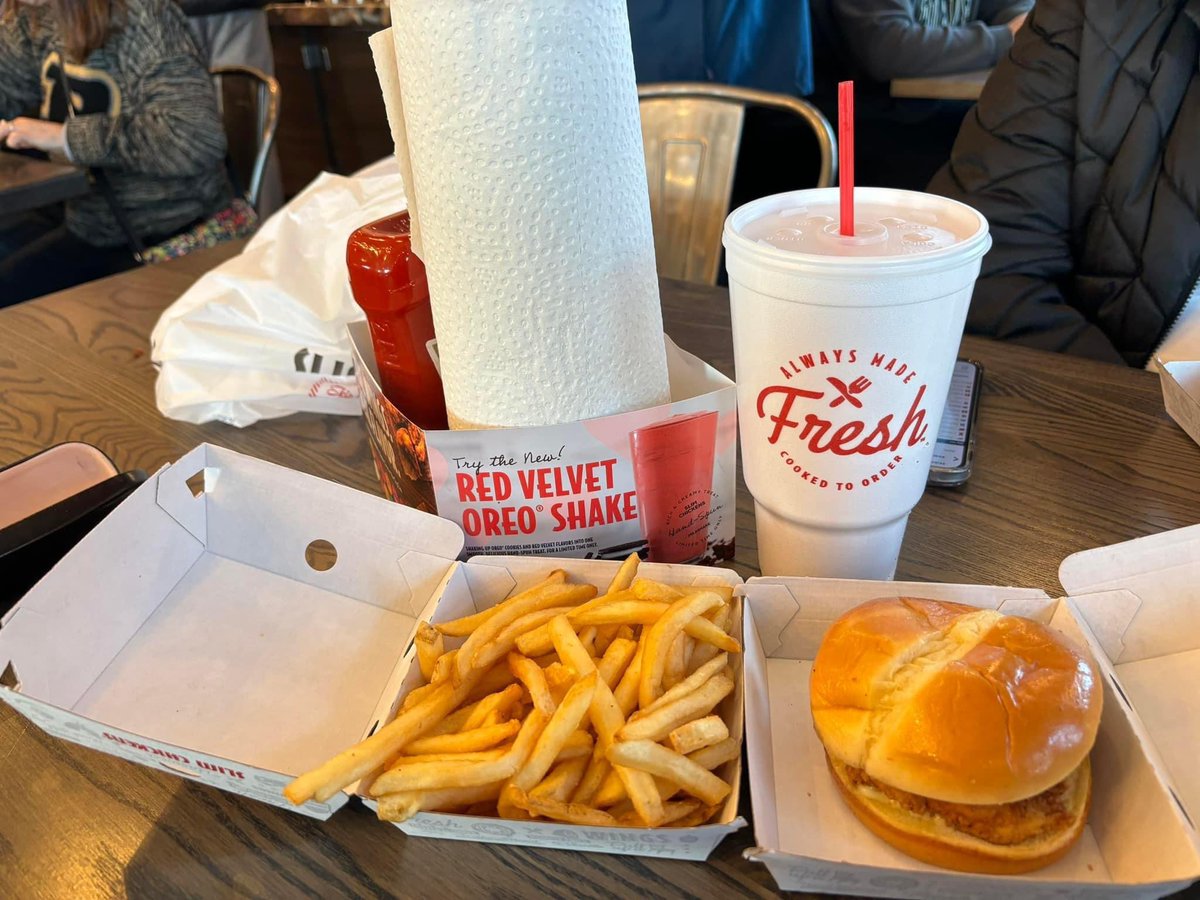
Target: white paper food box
<point>189,632</point>
<point>1181,394</point>
<point>1139,842</point>
<point>497,577</point>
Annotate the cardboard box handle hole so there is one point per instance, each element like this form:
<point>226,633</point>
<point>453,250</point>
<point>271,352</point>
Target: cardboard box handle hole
<point>321,555</point>
<point>195,484</point>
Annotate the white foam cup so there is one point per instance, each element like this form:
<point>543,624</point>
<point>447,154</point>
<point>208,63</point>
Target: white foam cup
<point>843,365</point>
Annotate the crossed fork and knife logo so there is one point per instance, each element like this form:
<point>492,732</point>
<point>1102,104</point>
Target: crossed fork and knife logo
<point>847,392</point>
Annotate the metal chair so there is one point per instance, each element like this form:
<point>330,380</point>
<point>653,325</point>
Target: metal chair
<point>251,118</point>
<point>692,134</point>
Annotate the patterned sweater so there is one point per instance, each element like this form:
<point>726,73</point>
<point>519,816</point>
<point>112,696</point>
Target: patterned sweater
<point>146,113</point>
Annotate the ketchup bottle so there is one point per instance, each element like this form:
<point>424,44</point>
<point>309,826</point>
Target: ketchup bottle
<point>388,282</point>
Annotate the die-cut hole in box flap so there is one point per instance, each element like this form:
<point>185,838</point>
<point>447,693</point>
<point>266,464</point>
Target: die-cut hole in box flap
<point>198,615</point>
<point>810,840</point>
<point>240,503</point>
<point>484,581</point>
<point>1140,603</point>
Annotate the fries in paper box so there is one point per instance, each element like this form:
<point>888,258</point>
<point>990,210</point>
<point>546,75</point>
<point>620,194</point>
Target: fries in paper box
<point>562,704</point>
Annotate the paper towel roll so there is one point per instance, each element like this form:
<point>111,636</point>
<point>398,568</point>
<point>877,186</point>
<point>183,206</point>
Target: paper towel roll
<point>525,145</point>
<point>383,50</point>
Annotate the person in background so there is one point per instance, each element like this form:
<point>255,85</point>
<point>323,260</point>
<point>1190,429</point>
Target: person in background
<point>145,114</point>
<point>1082,155</point>
<point>902,142</point>
<point>235,33</point>
<point>919,38</point>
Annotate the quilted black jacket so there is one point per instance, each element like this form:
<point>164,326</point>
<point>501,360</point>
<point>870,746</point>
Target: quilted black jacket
<point>1084,154</point>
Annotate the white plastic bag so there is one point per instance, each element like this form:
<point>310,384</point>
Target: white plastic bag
<point>263,335</point>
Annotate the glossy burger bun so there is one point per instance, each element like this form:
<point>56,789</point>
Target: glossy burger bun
<point>930,840</point>
<point>953,702</point>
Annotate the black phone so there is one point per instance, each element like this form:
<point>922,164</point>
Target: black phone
<point>954,450</point>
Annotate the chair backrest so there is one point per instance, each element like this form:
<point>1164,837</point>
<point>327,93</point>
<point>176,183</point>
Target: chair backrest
<point>249,101</point>
<point>692,133</point>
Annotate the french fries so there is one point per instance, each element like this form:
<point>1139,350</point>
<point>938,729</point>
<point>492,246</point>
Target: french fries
<point>550,743</point>
<point>618,655</point>
<point>562,780</point>
<point>430,645</point>
<point>493,630</point>
<point>655,759</point>
<point>463,627</point>
<point>559,704</point>
<point>677,657</point>
<point>718,754</point>
<point>689,684</point>
<point>625,575</point>
<point>578,743</point>
<point>533,677</point>
<point>435,774</point>
<point>350,765</point>
<point>705,651</point>
<point>660,636</point>
<point>698,734</point>
<point>575,813</point>
<point>500,702</point>
<point>465,741</point>
<point>405,805</point>
<point>658,723</point>
<point>611,792</point>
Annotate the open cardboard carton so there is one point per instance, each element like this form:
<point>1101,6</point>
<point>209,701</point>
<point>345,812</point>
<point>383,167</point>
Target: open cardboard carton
<point>491,579</point>
<point>1181,393</point>
<point>574,489</point>
<point>1138,602</point>
<point>200,629</point>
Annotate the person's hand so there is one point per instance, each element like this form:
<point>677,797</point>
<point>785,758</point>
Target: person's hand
<point>1014,25</point>
<point>33,134</point>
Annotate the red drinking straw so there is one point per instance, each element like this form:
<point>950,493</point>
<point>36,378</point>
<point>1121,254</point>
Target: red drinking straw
<point>846,155</point>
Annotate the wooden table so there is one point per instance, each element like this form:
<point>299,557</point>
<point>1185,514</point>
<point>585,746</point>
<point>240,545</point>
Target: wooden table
<point>27,183</point>
<point>1071,455</point>
<point>962,86</point>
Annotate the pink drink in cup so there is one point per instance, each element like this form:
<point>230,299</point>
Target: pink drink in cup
<point>673,473</point>
<point>844,347</point>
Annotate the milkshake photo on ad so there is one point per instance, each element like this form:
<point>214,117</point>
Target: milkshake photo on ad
<point>673,471</point>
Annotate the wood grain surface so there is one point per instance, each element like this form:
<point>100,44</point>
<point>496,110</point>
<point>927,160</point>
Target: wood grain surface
<point>960,86</point>
<point>1071,455</point>
<point>27,183</point>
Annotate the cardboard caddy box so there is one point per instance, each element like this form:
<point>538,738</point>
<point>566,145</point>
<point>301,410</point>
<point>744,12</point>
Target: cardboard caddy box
<point>1135,605</point>
<point>597,489</point>
<point>238,623</point>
